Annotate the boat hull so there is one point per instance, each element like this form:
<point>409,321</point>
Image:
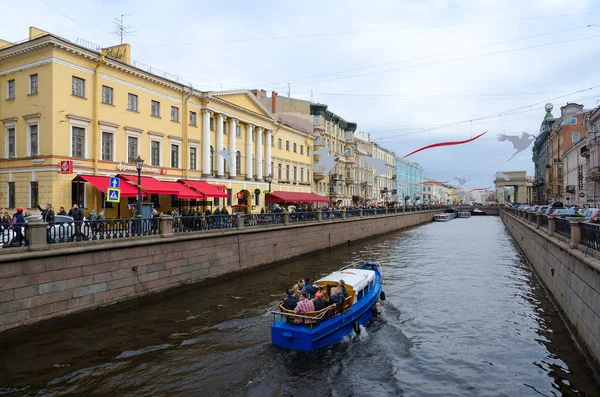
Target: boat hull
<point>302,337</point>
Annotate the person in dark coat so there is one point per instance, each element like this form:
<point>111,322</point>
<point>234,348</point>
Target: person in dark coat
<point>308,288</point>
<point>217,218</point>
<point>17,222</point>
<point>61,211</point>
<point>48,217</point>
<point>78,216</point>
<point>289,302</point>
<point>319,302</point>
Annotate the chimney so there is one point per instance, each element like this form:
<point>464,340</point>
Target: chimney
<point>273,102</point>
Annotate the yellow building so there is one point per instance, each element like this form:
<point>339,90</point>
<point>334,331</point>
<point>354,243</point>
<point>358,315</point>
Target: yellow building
<point>65,101</point>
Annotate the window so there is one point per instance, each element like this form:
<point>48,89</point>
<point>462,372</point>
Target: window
<point>193,119</point>
<point>174,156</point>
<point>11,146</point>
<point>155,153</point>
<point>11,195</point>
<point>279,143</point>
<point>33,194</point>
<point>252,133</point>
<point>212,159</point>
<point>295,173</point>
<point>575,137</point>
<point>107,95</point>
<point>287,172</point>
<point>272,141</point>
<point>10,89</point>
<point>287,145</point>
<point>307,151</point>
<point>295,148</point>
<point>78,194</point>
<point>78,142</point>
<point>212,123</point>
<point>132,149</point>
<point>317,120</point>
<point>33,140</point>
<point>33,84</point>
<point>301,149</point>
<point>193,158</point>
<point>107,146</point>
<point>279,171</point>
<point>301,174</point>
<point>174,113</point>
<point>155,108</point>
<point>238,131</point>
<point>238,162</point>
<point>307,175</point>
<point>132,102</point>
<point>78,87</point>
<point>224,127</point>
<point>229,197</point>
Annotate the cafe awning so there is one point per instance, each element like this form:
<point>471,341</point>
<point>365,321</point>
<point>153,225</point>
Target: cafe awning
<point>151,185</point>
<point>295,197</point>
<point>205,188</point>
<point>185,192</point>
<point>102,183</point>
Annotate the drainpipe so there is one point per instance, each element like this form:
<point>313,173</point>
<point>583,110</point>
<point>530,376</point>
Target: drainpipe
<point>184,134</point>
<point>95,100</point>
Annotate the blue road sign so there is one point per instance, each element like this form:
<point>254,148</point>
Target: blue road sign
<point>113,195</point>
<point>115,183</point>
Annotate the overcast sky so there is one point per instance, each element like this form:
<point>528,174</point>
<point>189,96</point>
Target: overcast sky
<point>403,70</point>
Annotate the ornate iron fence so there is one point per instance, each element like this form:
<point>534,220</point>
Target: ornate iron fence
<point>590,235</point>
<point>13,235</point>
<point>544,221</point>
<point>563,227</point>
<point>104,229</point>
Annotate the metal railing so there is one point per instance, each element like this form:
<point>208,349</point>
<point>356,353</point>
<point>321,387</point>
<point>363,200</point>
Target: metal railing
<point>352,213</point>
<point>590,235</point>
<point>182,224</point>
<point>303,216</point>
<point>563,227</point>
<point>13,235</point>
<point>105,229</point>
<point>544,223</point>
<point>263,219</point>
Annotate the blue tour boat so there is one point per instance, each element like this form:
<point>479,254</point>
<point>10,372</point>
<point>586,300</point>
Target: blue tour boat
<point>314,330</point>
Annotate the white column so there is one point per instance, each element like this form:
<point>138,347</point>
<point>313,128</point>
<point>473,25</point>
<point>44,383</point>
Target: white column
<point>259,154</point>
<point>249,151</point>
<point>268,152</point>
<point>220,145</point>
<point>232,149</point>
<point>205,142</point>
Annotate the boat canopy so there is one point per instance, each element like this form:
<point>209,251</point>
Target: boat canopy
<point>357,279</point>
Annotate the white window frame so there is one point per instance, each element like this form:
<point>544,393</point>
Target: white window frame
<point>31,122</point>
<point>85,126</point>
<point>179,146</point>
<point>137,102</point>
<point>111,97</point>
<point>8,126</point>
<point>195,124</point>
<point>136,135</point>
<point>160,151</point>
<point>113,132</point>
<point>176,114</point>
<point>83,86</point>
<point>238,131</point>
<point>14,82</point>
<point>152,101</point>
<point>37,84</point>
<point>194,146</point>
<point>573,137</point>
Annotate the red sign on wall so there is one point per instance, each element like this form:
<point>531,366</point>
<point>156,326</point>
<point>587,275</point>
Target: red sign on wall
<point>66,167</point>
<point>240,195</point>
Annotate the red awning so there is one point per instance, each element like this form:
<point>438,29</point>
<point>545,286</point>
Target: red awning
<point>295,197</point>
<point>185,192</point>
<point>151,185</point>
<point>102,183</point>
<point>205,188</point>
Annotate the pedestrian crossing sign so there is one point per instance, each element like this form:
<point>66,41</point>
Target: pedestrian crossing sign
<point>113,195</point>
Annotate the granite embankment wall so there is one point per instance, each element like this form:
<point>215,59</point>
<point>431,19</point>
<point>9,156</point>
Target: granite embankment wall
<point>571,275</point>
<point>55,281</point>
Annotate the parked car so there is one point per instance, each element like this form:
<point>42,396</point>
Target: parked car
<point>566,213</point>
<point>543,209</point>
<point>592,214</point>
<point>551,210</point>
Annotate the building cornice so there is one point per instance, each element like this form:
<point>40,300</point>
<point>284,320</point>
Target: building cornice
<point>108,124</point>
<point>72,116</point>
<point>32,116</point>
<point>133,129</point>
<point>155,133</point>
<point>10,120</point>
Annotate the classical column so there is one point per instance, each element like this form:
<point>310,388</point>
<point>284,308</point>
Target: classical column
<point>220,170</point>
<point>232,149</point>
<point>259,155</point>
<point>205,142</point>
<point>269,137</point>
<point>249,151</point>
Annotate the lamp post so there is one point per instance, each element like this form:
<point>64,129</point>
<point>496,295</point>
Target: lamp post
<point>138,165</point>
<point>269,179</point>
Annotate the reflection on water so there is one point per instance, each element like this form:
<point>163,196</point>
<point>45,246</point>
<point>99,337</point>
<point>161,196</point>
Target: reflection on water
<point>464,316</point>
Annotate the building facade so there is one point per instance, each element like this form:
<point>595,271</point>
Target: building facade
<point>93,107</point>
<point>409,182</point>
<point>592,154</point>
<point>541,157</point>
<point>575,173</point>
<point>385,183</point>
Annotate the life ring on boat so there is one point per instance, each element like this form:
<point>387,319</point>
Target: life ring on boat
<point>382,296</point>
<point>356,327</point>
<point>374,312</point>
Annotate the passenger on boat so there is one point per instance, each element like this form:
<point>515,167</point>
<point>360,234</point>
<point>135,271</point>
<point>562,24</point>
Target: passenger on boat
<point>336,297</point>
<point>305,305</point>
<point>325,297</point>
<point>319,302</point>
<point>342,288</point>
<point>308,288</point>
<point>290,302</point>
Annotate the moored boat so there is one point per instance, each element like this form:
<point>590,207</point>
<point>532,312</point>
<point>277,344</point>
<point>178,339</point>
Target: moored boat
<point>313,330</point>
<point>464,214</point>
<point>443,217</point>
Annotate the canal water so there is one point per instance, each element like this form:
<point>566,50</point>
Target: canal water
<point>464,316</point>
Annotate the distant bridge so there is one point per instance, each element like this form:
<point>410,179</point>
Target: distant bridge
<point>489,210</point>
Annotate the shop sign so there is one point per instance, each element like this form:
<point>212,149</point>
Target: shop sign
<point>130,167</point>
<point>240,195</point>
<point>66,167</point>
<point>38,161</point>
<point>256,191</point>
<point>580,178</point>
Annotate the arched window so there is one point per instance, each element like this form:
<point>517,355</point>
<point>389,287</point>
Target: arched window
<point>212,159</point>
<point>238,162</point>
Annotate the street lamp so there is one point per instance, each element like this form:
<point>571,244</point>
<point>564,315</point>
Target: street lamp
<point>139,162</point>
<point>269,179</point>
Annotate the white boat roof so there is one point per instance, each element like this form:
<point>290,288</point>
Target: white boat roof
<point>357,279</point>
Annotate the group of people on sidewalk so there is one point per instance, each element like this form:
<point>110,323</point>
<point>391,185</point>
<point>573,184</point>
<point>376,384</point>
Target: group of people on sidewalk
<point>307,297</point>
